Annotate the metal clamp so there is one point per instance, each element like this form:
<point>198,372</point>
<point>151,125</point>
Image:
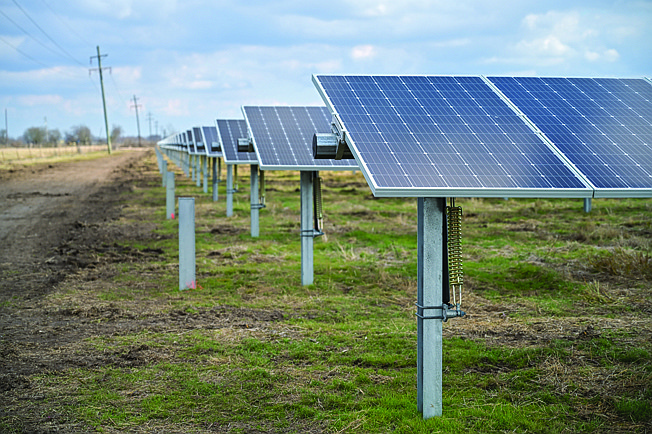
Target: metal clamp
<point>420,309</point>
<point>258,206</point>
<point>446,312</point>
<point>311,233</point>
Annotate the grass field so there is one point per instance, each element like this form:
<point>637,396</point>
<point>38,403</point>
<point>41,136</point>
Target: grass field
<point>12,156</point>
<point>558,336</point>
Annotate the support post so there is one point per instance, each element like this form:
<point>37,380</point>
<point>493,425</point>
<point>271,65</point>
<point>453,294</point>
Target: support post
<point>254,201</point>
<point>169,196</point>
<point>587,204</point>
<point>215,185</point>
<point>198,169</point>
<point>159,160</point>
<point>205,169</point>
<point>307,264</point>
<point>164,170</point>
<point>229,190</point>
<point>187,243</point>
<point>430,282</point>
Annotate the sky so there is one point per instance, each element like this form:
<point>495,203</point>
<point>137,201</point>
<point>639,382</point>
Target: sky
<point>189,62</point>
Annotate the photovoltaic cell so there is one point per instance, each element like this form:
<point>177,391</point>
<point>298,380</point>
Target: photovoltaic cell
<point>199,140</point>
<point>212,142</point>
<point>190,141</point>
<point>283,135</point>
<point>229,131</point>
<point>602,125</point>
<point>443,136</point>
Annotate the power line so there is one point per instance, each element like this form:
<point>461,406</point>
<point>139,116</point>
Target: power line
<point>124,100</point>
<point>22,52</point>
<point>30,35</point>
<point>81,38</point>
<point>46,35</point>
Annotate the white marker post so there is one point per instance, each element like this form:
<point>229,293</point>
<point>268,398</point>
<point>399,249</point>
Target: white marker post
<point>169,196</point>
<point>187,243</point>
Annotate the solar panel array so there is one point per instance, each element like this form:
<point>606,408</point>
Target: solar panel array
<point>282,137</point>
<point>230,130</point>
<point>212,142</point>
<point>602,125</point>
<point>444,136</point>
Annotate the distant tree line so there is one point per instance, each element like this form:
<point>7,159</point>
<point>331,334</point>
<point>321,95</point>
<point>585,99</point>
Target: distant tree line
<point>77,135</point>
<point>40,136</point>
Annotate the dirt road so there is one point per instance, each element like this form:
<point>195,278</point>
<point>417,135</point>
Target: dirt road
<point>41,206</point>
<point>48,214</point>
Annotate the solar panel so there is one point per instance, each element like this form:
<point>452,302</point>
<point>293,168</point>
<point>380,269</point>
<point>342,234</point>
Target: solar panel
<point>212,142</point>
<point>602,125</point>
<point>190,141</point>
<point>198,139</point>
<point>230,130</point>
<point>443,136</point>
<point>282,137</point>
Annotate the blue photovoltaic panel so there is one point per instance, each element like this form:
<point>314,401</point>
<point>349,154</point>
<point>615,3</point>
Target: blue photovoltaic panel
<point>190,140</point>
<point>229,131</point>
<point>602,125</point>
<point>199,140</point>
<point>442,136</point>
<point>212,142</point>
<point>282,137</point>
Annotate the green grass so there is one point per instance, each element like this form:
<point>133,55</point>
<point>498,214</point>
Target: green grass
<point>546,347</point>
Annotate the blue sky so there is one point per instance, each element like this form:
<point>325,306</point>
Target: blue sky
<point>191,61</point>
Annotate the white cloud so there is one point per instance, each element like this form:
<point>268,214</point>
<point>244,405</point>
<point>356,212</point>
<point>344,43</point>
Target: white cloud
<point>37,100</point>
<point>363,52</point>
<point>609,55</point>
<point>567,39</point>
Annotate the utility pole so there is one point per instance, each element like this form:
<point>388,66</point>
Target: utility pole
<point>106,119</point>
<point>6,130</point>
<point>149,118</point>
<point>156,128</point>
<point>136,105</point>
<point>46,130</point>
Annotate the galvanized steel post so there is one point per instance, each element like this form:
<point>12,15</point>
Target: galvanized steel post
<point>307,240</point>
<point>205,160</point>
<point>198,170</point>
<point>229,190</point>
<point>215,185</point>
<point>164,171</point>
<point>169,196</point>
<point>587,204</point>
<point>255,211</point>
<point>430,281</point>
<point>187,243</point>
